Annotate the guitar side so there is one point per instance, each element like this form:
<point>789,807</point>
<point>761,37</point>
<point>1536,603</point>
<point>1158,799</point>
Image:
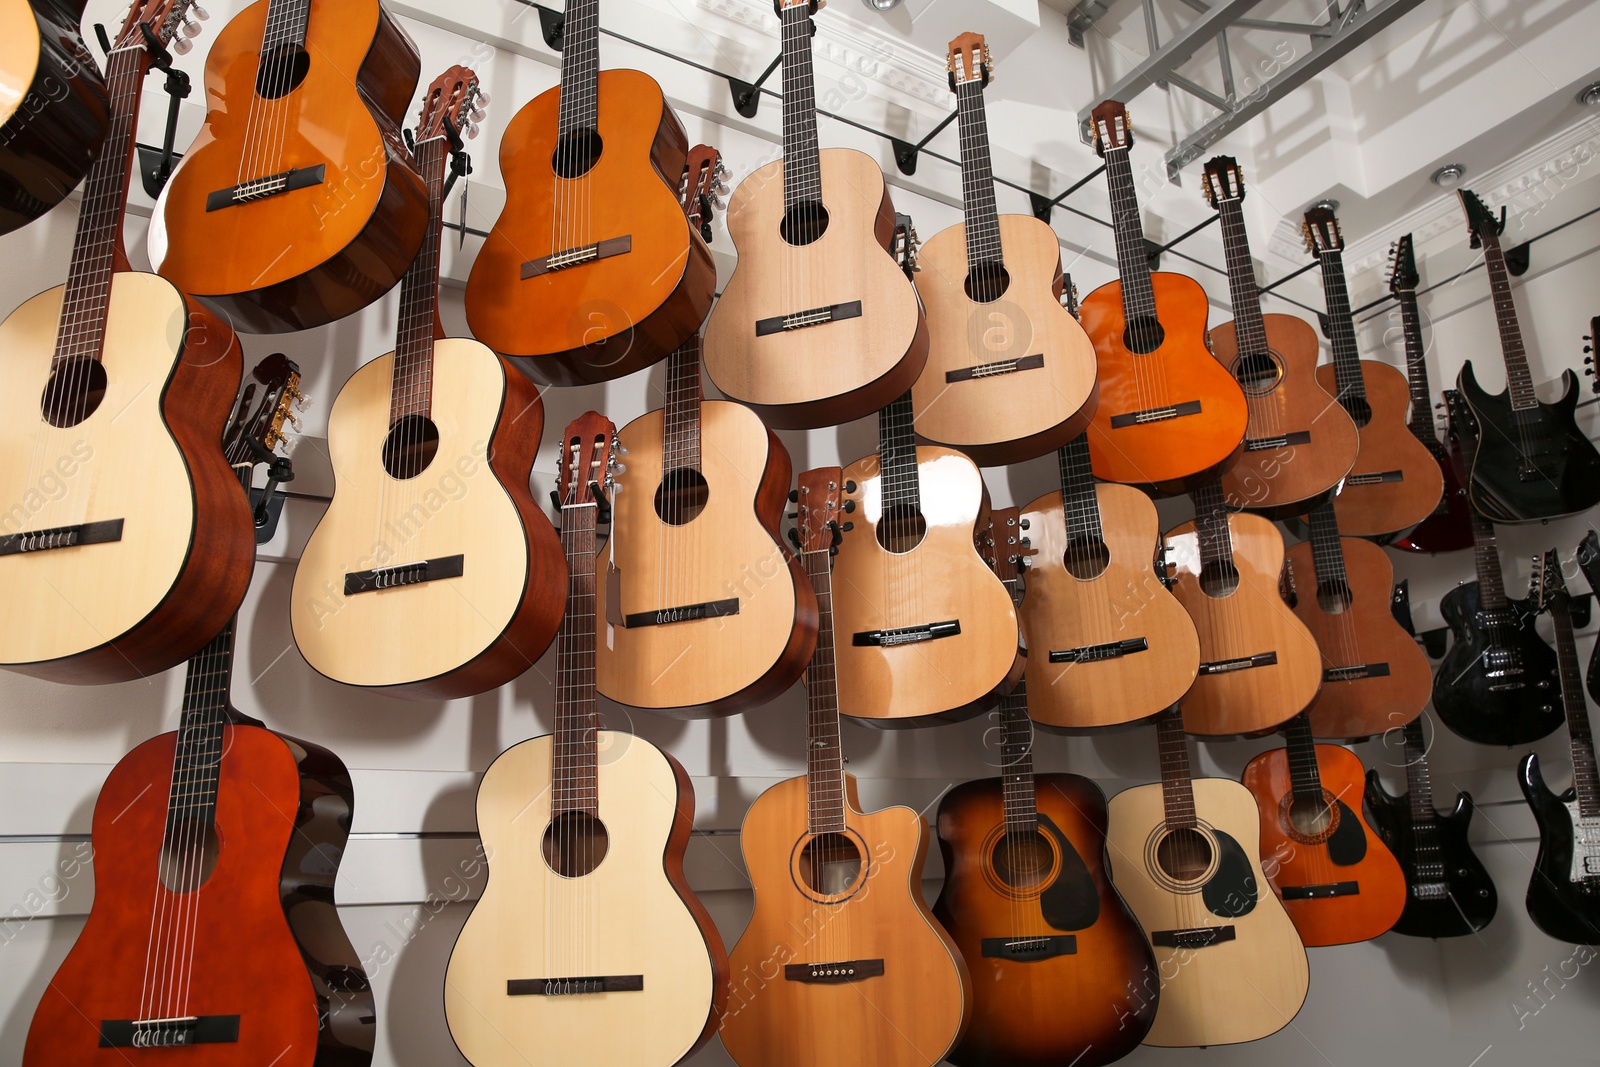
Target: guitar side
<point>1448,529</point>
<point>1565,910</point>
<point>1564,476</point>
<point>1468,700</point>
<point>1395,482</point>
<point>1470,900</point>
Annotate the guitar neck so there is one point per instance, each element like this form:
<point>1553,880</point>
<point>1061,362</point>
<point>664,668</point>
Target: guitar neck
<point>1417,372</point>
<point>680,423</point>
<point>411,389</point>
<point>1486,559</point>
<point>1177,784</point>
<point>1133,259</point>
<point>1342,328</point>
<point>574,778</point>
<point>580,68</point>
<point>1080,504</point>
<point>1419,785</point>
<point>1018,792</point>
<point>802,167</point>
<point>897,455</point>
<point>1250,329</point>
<point>977,177</point>
<point>197,756</point>
<point>825,783</point>
<point>1585,781</point>
<point>1327,547</point>
<point>1305,778</point>
<point>1211,525</point>
<point>286,24</point>
<point>1519,380</point>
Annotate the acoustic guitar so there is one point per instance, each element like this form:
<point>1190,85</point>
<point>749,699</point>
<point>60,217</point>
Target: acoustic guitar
<point>587,945</point>
<point>1170,416</point>
<point>1109,643</point>
<point>1338,881</point>
<point>53,109</point>
<point>1298,443</point>
<point>1184,855</point>
<point>1533,462</point>
<point>299,172</point>
<point>1051,947</point>
<point>125,532</point>
<point>433,574</point>
<point>1396,481</point>
<point>817,326</point>
<point>216,849</point>
<point>1010,372</point>
<point>842,963</point>
<point>590,272</point>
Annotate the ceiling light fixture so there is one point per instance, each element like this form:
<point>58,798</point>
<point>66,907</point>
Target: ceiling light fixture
<point>1589,95</point>
<point>1327,203</point>
<point>882,5</point>
<point>1448,176</point>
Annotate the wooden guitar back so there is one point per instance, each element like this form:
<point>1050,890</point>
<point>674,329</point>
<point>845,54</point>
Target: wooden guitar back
<point>1411,483</point>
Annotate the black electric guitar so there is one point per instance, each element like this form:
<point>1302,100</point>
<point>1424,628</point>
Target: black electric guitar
<point>1589,563</point>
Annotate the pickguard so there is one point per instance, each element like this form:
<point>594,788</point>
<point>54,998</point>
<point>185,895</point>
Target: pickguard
<point>1232,891</point>
<point>1072,901</point>
<point>1347,845</point>
<point>1585,844</point>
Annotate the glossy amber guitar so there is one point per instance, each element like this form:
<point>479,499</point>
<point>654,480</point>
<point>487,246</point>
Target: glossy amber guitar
<point>433,574</point>
<point>842,962</point>
<point>299,174</point>
<point>125,533</point>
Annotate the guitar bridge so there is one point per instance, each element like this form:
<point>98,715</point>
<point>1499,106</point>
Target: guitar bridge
<point>832,973</point>
<point>1192,937</point>
<point>906,635</point>
<point>430,570</point>
<point>811,317</point>
<point>569,987</point>
<point>1355,672</point>
<point>88,533</point>
<point>1239,663</point>
<point>1323,891</point>
<point>1096,653</point>
<point>577,257</point>
<point>1149,415</point>
<point>1283,440</point>
<point>995,369</point>
<point>1375,478</point>
<point>1030,949</point>
<point>711,609</point>
<point>272,185</point>
<point>169,1033</point>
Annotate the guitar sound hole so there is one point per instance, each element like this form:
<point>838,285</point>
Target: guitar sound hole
<point>804,223</point>
<point>577,153</point>
<point>1258,373</point>
<point>1333,597</point>
<point>281,71</point>
<point>1086,560</point>
<point>1143,335</point>
<point>574,844</point>
<point>1023,861</point>
<point>1219,579</point>
<point>410,447</point>
<point>901,529</point>
<point>1184,854</point>
<point>1359,410</point>
<point>74,392</point>
<point>682,496</point>
<point>188,856</point>
<point>830,864</point>
<point>1310,816</point>
<point>987,282</point>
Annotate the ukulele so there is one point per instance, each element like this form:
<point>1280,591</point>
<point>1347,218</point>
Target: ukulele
<point>299,172</point>
<point>1298,443</point>
<point>1010,373</point>
<point>1259,665</point>
<point>842,963</point>
<point>1374,675</point>
<point>53,108</point>
<point>1449,528</point>
<point>704,612</point>
<point>1533,462</point>
<point>433,574</point>
<point>1229,965</point>
<point>1051,946</point>
<point>126,534</point>
<point>817,326</point>
<point>1109,643</point>
<point>1395,482</point>
<point>588,945</point>
<point>1170,416</point>
<point>216,850</point>
<point>1498,684</point>
<point>1338,881</point>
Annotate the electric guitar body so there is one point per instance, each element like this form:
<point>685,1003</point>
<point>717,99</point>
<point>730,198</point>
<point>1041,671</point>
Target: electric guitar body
<point>1395,482</point>
<point>1498,684</point>
<point>1448,529</point>
<point>1448,891</point>
<point>1534,463</point>
<point>1563,896</point>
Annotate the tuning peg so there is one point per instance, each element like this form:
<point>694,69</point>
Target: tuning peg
<point>477,114</point>
<point>849,507</point>
<point>1025,542</point>
<point>472,131</point>
<point>182,46</point>
<point>847,527</point>
<point>794,538</point>
<point>1023,524</point>
<point>190,28</point>
<point>294,420</point>
<point>794,496</point>
<point>199,13</point>
<point>1024,562</point>
<point>620,449</point>
<point>849,486</point>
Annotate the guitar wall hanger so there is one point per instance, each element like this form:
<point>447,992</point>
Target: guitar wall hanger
<point>157,164</point>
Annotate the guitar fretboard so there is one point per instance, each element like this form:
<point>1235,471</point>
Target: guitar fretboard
<point>1250,329</point>
<point>411,389</point>
<point>1019,792</point>
<point>1177,786</point>
<point>1417,372</point>
<point>825,784</point>
<point>1585,781</point>
<point>1419,783</point>
<point>580,68</point>
<point>1342,328</point>
<point>977,178</point>
<point>802,167</point>
<point>1305,777</point>
<point>680,420</point>
<point>1327,547</point>
<point>1133,259</point>
<point>574,778</point>
<point>197,757</point>
<point>1519,380</point>
<point>1080,504</point>
<point>1211,526</point>
<point>897,455</point>
<point>286,24</point>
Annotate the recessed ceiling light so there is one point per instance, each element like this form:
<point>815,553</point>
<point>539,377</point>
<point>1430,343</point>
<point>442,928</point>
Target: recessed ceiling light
<point>1328,203</point>
<point>1589,95</point>
<point>882,5</point>
<point>1448,176</point>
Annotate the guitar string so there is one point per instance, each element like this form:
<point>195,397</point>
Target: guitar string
<point>1139,308</point>
<point>1519,386</point>
<point>1268,418</point>
<point>275,124</point>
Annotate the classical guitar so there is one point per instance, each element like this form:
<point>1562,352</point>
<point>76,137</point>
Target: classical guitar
<point>1170,415</point>
<point>1449,528</point>
<point>587,945</point>
<point>704,613</point>
<point>1299,443</point>
<point>1010,373</point>
<point>1259,665</point>
<point>299,172</point>
<point>1027,899</point>
<point>53,109</point>
<point>1375,677</point>
<point>216,849</point>
<point>590,272</point>
<point>1108,643</point>
<point>125,533</point>
<point>1498,684</point>
<point>1396,481</point>
<point>842,962</point>
<point>1533,462</point>
<point>1229,965</point>
<point>433,574</point>
<point>817,326</point>
<point>1338,881</point>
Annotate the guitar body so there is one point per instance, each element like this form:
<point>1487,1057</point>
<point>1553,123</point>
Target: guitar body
<point>910,1015</point>
<point>1448,891</point>
<point>1251,979</point>
<point>1064,1004</point>
<point>307,256</point>
<point>1170,454</point>
<point>1125,601</point>
<point>267,946</point>
<point>454,636</point>
<point>1298,443</point>
<point>53,111</point>
<point>1534,464</point>
<point>714,664</point>
<point>150,456</point>
<point>942,579</point>
<point>1473,689</point>
<point>1375,676</point>
<point>1411,483</point>
<point>638,918</point>
<point>1567,909</point>
<point>1243,620</point>
<point>1449,528</point>
<point>614,314</point>
<point>839,370</point>
<point>999,416</point>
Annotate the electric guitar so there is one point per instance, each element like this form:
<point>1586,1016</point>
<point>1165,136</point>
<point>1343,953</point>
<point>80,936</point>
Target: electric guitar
<point>842,963</point>
<point>588,945</point>
<point>297,204</point>
<point>1589,563</point>
<point>1010,373</point>
<point>1533,462</point>
<point>125,532</point>
<point>433,574</point>
<point>704,612</point>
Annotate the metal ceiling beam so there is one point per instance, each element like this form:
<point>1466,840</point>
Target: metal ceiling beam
<point>1082,17</point>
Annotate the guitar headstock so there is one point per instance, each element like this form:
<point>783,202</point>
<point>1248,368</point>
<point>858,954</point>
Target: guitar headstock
<point>905,244</point>
<point>588,464</point>
<point>1223,180</point>
<point>166,19</point>
<point>1483,224</point>
<point>705,183</point>
<point>1112,130</point>
<point>1007,549</point>
<point>820,504</point>
<point>1548,589</point>
<point>1461,426</point>
<point>451,108</point>
<point>1321,231</point>
<point>255,428</point>
<point>1069,296</point>
<point>813,6</point>
<point>1403,276</point>
<point>1589,354</point>
<point>970,61</point>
